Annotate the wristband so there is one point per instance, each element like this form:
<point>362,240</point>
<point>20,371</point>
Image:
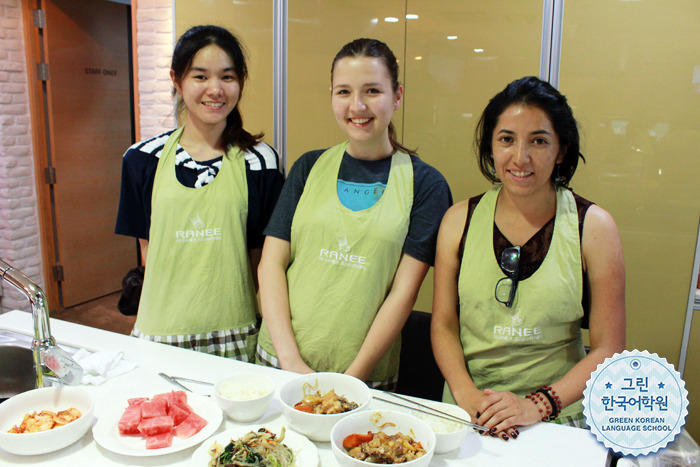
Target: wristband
<point>553,399</point>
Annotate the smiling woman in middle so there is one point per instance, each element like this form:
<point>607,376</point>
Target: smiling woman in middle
<point>353,234</point>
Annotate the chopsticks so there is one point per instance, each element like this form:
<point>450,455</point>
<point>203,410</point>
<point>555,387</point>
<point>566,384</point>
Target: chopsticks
<point>172,380</point>
<point>192,380</point>
<point>430,410</point>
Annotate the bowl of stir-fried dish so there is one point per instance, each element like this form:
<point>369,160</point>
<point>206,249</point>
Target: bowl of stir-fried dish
<point>45,419</point>
<point>315,402</point>
<point>382,437</point>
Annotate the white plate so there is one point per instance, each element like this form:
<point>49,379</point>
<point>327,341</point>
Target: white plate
<point>306,454</point>
<point>106,430</point>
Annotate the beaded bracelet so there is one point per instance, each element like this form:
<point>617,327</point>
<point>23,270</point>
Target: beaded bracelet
<point>553,399</point>
<point>557,400</point>
<point>548,409</point>
<point>536,400</point>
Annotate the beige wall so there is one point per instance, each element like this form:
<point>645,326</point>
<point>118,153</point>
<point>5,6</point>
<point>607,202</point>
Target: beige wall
<point>630,70</point>
<point>632,76</point>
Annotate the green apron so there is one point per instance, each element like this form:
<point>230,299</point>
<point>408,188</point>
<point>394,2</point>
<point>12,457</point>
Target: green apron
<point>198,275</point>
<point>538,340</point>
<point>342,264</point>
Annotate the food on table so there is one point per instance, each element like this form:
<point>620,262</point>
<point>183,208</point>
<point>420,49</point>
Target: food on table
<point>439,425</point>
<point>262,448</point>
<point>159,440</point>
<point>240,391</point>
<point>380,448</point>
<point>327,403</point>
<point>45,420</point>
<point>160,418</point>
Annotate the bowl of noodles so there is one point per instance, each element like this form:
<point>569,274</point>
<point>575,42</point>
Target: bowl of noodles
<point>313,403</point>
<point>382,437</point>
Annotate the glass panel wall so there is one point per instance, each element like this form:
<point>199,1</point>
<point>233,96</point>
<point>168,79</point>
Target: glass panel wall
<point>458,55</point>
<point>631,72</point>
<point>317,31</point>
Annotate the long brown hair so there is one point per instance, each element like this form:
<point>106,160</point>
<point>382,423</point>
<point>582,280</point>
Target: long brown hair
<point>376,49</point>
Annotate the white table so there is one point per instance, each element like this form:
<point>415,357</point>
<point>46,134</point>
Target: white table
<point>543,444</point>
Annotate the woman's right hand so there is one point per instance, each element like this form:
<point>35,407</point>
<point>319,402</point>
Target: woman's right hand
<point>481,409</point>
<point>471,401</point>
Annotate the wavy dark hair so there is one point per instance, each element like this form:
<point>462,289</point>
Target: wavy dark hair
<point>374,48</point>
<point>191,42</point>
<point>531,91</point>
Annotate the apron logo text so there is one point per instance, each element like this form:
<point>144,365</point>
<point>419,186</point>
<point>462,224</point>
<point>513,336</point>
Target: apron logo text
<point>203,235</point>
<point>516,332</point>
<point>342,259</point>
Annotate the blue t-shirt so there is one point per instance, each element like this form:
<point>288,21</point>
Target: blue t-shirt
<point>358,196</point>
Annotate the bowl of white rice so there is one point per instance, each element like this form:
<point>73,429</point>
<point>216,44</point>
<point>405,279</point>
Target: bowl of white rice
<point>449,434</point>
<point>244,397</point>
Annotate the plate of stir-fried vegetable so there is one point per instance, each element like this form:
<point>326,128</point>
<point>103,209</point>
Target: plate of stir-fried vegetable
<point>256,445</point>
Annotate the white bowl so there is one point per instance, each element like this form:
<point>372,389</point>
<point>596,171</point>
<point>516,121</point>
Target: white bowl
<point>57,398</point>
<point>449,435</point>
<point>388,421</point>
<point>244,397</point>
<point>318,426</point>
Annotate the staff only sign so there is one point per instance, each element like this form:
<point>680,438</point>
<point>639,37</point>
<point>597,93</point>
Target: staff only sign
<point>635,403</point>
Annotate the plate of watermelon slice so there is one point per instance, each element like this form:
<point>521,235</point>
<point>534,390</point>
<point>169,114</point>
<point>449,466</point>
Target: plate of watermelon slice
<point>157,425</point>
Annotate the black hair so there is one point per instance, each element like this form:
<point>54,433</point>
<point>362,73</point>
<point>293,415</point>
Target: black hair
<point>191,42</point>
<point>374,48</point>
<point>531,91</point>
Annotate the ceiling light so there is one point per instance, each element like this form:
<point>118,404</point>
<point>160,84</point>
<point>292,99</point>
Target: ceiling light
<point>451,38</point>
<point>374,20</point>
<point>479,51</point>
<point>391,19</point>
<point>419,57</point>
<point>410,16</point>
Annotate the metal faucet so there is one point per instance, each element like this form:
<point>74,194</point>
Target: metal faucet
<point>51,363</point>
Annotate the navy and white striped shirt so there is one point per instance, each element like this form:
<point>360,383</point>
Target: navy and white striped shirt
<point>139,165</point>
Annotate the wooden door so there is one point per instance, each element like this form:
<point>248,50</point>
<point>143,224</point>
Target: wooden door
<point>86,46</point>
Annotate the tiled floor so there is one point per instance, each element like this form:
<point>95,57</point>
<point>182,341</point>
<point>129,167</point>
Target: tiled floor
<point>101,313</point>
